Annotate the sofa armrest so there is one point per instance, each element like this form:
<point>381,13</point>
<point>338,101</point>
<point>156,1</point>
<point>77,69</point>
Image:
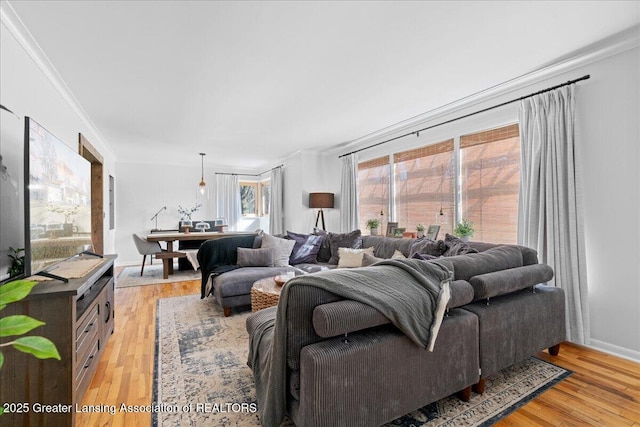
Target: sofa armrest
<point>342,317</point>
<point>506,281</point>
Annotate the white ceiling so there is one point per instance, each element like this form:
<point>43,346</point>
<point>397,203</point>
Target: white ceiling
<point>249,83</point>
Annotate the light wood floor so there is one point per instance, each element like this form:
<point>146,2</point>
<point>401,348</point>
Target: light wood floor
<point>603,391</point>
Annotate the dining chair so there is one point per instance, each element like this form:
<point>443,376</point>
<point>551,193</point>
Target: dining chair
<point>145,248</point>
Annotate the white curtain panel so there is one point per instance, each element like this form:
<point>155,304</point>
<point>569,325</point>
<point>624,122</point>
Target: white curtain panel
<point>550,205</point>
<point>276,206</point>
<point>349,194</point>
<point>228,199</point>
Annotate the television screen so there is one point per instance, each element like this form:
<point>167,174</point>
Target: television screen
<point>11,195</point>
<point>58,200</point>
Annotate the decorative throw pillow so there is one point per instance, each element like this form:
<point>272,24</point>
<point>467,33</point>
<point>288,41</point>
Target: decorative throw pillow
<point>324,253</point>
<point>427,246</point>
<point>368,259</point>
<point>262,257</point>
<point>351,240</point>
<point>456,246</point>
<point>397,255</point>
<point>350,258</point>
<point>282,249</point>
<point>305,250</point>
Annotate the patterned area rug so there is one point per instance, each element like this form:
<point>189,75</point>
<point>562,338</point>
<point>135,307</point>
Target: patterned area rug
<point>201,375</point>
<point>130,276</point>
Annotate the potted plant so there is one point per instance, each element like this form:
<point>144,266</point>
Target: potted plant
<point>420,229</point>
<point>373,224</point>
<point>464,230</point>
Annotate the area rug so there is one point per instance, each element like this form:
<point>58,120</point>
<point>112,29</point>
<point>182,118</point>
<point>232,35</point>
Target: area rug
<point>201,375</point>
<point>130,276</point>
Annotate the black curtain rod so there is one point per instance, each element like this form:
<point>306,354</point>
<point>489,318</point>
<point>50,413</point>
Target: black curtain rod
<point>249,174</point>
<point>417,132</point>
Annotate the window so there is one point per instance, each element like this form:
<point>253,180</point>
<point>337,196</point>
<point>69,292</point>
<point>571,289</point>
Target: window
<point>490,180</point>
<point>482,175</point>
<point>255,197</point>
<point>424,181</point>
<point>373,190</point>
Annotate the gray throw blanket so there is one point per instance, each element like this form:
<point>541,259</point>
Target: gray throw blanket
<point>412,294</point>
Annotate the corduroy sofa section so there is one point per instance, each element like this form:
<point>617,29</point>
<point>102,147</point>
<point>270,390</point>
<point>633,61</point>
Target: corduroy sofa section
<point>377,374</point>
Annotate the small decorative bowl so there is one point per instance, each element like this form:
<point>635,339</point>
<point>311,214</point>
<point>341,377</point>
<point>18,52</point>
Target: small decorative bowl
<point>279,281</point>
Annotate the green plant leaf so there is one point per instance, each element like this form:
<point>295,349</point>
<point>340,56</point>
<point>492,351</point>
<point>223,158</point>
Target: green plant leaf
<point>15,291</point>
<point>1,360</point>
<point>40,347</point>
<point>1,410</point>
<point>18,325</point>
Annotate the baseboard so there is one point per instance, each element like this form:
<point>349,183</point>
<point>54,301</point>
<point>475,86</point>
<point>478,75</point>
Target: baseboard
<point>615,350</point>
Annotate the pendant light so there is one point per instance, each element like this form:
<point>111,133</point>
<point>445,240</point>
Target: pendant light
<point>441,217</point>
<point>203,189</point>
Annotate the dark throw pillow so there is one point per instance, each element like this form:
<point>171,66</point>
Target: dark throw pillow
<point>424,257</point>
<point>426,246</point>
<point>324,254</point>
<point>456,246</point>
<point>306,249</point>
<point>352,240</point>
<point>255,257</point>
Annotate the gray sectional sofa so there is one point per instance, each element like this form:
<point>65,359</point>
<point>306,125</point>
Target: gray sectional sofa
<point>347,364</point>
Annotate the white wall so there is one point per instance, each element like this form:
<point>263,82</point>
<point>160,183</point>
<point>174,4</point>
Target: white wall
<point>28,88</point>
<point>143,189</point>
<point>304,173</point>
<point>608,155</point>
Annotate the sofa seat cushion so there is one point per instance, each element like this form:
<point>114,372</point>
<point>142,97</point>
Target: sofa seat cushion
<point>240,281</point>
<point>314,268</point>
<point>504,282</point>
<point>494,259</point>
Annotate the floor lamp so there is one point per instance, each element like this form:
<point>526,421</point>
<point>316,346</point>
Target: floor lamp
<point>320,201</point>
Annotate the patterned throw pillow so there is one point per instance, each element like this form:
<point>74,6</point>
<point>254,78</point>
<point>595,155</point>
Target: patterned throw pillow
<point>306,248</point>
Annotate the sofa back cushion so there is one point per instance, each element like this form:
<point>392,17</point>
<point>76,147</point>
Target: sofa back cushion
<point>529,256</point>
<point>494,259</point>
<point>504,282</point>
<point>384,247</point>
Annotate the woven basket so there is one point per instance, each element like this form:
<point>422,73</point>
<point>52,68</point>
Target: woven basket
<point>261,300</point>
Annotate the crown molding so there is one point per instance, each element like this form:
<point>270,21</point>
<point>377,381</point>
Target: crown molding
<point>20,32</point>
<point>616,44</point>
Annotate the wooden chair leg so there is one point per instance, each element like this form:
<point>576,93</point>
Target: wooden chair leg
<point>465,394</point>
<point>227,311</point>
<point>144,259</point>
<point>480,386</point>
<point>554,350</point>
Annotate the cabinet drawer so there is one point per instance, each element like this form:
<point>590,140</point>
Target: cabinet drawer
<point>86,367</point>
<point>87,330</point>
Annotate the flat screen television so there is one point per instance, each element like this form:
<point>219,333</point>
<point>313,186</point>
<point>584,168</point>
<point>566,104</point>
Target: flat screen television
<point>11,195</point>
<point>57,201</point>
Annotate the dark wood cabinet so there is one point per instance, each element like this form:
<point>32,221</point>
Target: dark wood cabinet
<point>79,318</point>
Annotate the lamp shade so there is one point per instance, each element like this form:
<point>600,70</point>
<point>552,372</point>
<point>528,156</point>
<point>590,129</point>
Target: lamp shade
<point>320,200</point>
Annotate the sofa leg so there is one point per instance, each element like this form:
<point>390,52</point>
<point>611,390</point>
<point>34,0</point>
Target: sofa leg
<point>480,386</point>
<point>227,311</point>
<point>554,350</point>
<point>465,394</point>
